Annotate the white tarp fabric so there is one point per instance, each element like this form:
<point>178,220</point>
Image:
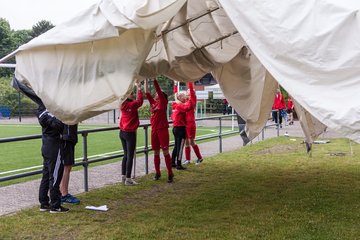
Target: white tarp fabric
<point>311,127</point>
<point>184,54</point>
<point>88,65</point>
<point>311,47</point>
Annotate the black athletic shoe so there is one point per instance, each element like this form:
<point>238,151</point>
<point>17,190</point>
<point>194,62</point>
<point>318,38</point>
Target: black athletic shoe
<point>157,177</point>
<point>199,161</point>
<point>180,167</point>
<point>61,209</point>
<point>44,207</point>
<point>170,178</point>
<point>173,165</point>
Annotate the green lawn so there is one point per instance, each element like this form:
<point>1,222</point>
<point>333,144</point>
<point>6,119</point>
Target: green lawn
<point>269,190</point>
<point>25,154</point>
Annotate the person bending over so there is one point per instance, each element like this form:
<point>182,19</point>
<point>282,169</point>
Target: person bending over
<point>51,150</point>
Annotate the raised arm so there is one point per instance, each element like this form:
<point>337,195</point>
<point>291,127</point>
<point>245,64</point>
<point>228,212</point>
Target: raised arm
<point>175,87</point>
<point>139,100</point>
<point>148,94</point>
<point>192,93</point>
<point>161,96</point>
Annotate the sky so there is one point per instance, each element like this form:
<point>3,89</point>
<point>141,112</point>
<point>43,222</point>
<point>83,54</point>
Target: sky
<point>23,14</point>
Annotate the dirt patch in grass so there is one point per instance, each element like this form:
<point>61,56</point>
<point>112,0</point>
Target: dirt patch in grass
<point>280,149</point>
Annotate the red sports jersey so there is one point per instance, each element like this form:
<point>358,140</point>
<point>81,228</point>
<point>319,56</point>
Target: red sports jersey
<point>129,120</point>
<point>158,116</point>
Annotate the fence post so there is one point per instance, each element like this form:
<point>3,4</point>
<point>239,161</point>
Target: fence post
<point>19,107</point>
<point>278,122</point>
<point>220,135</point>
<point>146,150</point>
<point>263,133</point>
<point>85,162</point>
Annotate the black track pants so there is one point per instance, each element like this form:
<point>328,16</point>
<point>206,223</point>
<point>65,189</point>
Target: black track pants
<point>53,168</point>
<point>128,141</point>
<point>180,136</point>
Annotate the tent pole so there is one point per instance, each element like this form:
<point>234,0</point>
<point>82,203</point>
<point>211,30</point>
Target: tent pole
<point>217,40</point>
<point>188,21</point>
<point>7,65</point>
<point>10,55</point>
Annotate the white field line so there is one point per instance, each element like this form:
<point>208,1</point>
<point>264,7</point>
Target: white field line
<point>91,157</point>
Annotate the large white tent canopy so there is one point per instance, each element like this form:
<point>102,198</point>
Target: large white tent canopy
<point>88,64</point>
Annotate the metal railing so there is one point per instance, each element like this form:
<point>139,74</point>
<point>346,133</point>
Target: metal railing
<point>86,162</point>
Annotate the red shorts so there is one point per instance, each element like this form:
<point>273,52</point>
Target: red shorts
<point>160,139</point>
<point>191,131</point>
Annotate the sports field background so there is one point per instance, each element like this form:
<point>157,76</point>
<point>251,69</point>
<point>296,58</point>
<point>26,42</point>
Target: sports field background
<point>27,154</point>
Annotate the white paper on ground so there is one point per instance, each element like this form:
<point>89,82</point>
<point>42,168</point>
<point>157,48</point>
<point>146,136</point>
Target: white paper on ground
<point>103,208</point>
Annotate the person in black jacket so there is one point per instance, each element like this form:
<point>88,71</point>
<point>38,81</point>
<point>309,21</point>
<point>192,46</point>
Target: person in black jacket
<point>53,167</point>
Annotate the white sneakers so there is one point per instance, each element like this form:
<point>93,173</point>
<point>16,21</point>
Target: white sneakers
<point>130,182</point>
<point>197,162</point>
<point>186,162</point>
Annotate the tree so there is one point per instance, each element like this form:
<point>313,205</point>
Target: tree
<point>8,95</point>
<point>5,44</point>
<point>20,37</point>
<point>41,27</point>
<point>166,84</point>
<point>9,41</point>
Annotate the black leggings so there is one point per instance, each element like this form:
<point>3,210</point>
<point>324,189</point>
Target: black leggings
<point>128,141</point>
<point>275,115</point>
<point>180,136</point>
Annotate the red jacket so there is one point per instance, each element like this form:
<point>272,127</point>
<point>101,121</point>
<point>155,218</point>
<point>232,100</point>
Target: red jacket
<point>129,120</point>
<point>182,111</point>
<point>179,113</point>
<point>190,115</point>
<point>158,114</point>
<point>290,104</point>
<point>279,102</point>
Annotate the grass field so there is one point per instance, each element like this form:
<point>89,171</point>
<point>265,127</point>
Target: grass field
<point>268,190</point>
<point>25,154</point>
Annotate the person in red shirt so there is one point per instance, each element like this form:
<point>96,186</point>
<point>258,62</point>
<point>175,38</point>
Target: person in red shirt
<point>179,110</point>
<point>159,129</point>
<point>278,106</point>
<point>129,122</point>
<point>290,110</point>
<point>191,128</point>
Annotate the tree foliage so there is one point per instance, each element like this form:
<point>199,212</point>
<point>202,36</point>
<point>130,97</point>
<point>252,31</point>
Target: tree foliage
<point>10,40</point>
<point>41,27</point>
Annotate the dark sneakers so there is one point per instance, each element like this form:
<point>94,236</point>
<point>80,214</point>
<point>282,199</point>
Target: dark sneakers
<point>180,167</point>
<point>70,199</point>
<point>157,176</point>
<point>170,178</point>
<point>61,209</point>
<point>44,207</point>
<point>199,161</point>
